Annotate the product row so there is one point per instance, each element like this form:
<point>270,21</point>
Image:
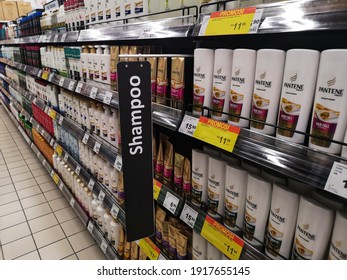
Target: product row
<point>293,90</point>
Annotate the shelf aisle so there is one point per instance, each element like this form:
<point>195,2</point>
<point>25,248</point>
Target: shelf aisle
<point>36,220</point>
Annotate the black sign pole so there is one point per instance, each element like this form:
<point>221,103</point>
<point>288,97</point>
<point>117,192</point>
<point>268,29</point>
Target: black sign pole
<point>134,88</point>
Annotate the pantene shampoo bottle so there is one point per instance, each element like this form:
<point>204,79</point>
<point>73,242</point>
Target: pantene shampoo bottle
<point>97,63</point>
<point>199,247</point>
<point>344,148</point>
<point>105,65</point>
<point>203,79</point>
<point>338,244</point>
<point>313,229</point>
<point>299,81</point>
<point>223,59</point>
<point>329,117</point>
<point>258,198</point>
<point>241,87</point>
<point>199,177</point>
<point>91,56</point>
<point>235,198</point>
<point>267,89</point>
<point>281,223</point>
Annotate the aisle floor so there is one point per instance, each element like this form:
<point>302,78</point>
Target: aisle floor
<point>36,221</point>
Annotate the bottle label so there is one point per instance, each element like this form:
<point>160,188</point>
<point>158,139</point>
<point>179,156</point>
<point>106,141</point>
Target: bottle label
<point>260,107</point>
<point>273,240</point>
<point>196,193</point>
<point>218,99</point>
<point>288,117</point>
<point>235,106</point>
<point>249,226</point>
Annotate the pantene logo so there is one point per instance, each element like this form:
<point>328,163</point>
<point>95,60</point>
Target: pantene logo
<point>275,214</point>
<point>220,77</point>
<point>231,192</point>
<point>263,83</point>
<point>196,173</point>
<point>303,230</point>
<point>292,85</point>
<point>249,201</point>
<point>293,78</point>
<point>336,248</point>
<point>238,79</point>
<point>198,74</point>
<point>329,90</point>
<point>212,182</point>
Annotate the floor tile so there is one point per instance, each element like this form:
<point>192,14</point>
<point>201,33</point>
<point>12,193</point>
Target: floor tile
<point>19,170</point>
<point>22,177</point>
<point>32,161</point>
<point>3,167</point>
<point>43,178</point>
<point>29,192</point>
<point>14,159</point>
<point>16,164</point>
<point>33,201</point>
<point>42,223</point>
<point>65,214</point>
<point>48,236</point>
<point>5,181</point>
<point>10,208</point>
<point>4,174</point>
<point>56,251</point>
<point>73,226</point>
<point>12,219</point>
<point>11,154</point>
<point>31,256</point>
<point>71,258</point>
<point>6,189</point>
<point>81,240</point>
<point>37,211</point>
<point>46,187</point>
<point>59,203</point>
<point>25,184</point>
<point>34,166</point>
<point>91,253</point>
<point>39,172</point>
<point>13,233</point>
<point>18,248</point>
<point>7,198</point>
<point>54,194</point>
<point>29,156</point>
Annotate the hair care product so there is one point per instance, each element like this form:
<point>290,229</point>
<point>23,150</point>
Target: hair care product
<point>299,80</point>
<point>213,253</point>
<point>153,62</point>
<point>160,161</point>
<point>258,199</point>
<point>313,229</point>
<point>178,173</point>
<point>113,66</point>
<point>199,177</point>
<point>181,246</point>
<point>168,163</point>
<point>338,243</point>
<point>203,79</point>
<point>187,179</point>
<point>235,197</point>
<point>162,81</point>
<point>199,247</point>
<point>281,223</point>
<point>267,89</point>
<point>329,118</point>
<point>216,187</point>
<point>223,59</point>
<point>273,177</point>
<point>241,87</point>
<point>177,82</point>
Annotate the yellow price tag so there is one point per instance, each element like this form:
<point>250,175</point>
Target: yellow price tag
<point>230,22</point>
<point>56,178</point>
<point>52,113</point>
<point>156,189</point>
<point>45,75</point>
<point>222,238</point>
<point>149,248</point>
<point>59,150</point>
<point>219,134</point>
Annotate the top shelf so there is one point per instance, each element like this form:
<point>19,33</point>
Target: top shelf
<point>282,17</point>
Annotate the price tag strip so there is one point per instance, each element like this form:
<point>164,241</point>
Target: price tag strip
<point>149,248</point>
<point>337,180</point>
<point>72,202</point>
<point>223,239</point>
<point>114,211</point>
<point>71,85</point>
<point>237,21</point>
<point>188,125</point>
<point>93,92</point>
<point>101,196</point>
<point>79,87</point>
<point>90,227</point>
<point>189,215</point>
<point>78,170</point>
<point>108,97</point>
<point>61,82</point>
<point>156,189</point>
<point>171,202</point>
<point>91,184</point>
<point>118,163</point>
<point>85,138</point>
<point>96,148</point>
<point>52,113</point>
<point>103,246</point>
<point>61,186</point>
<point>59,150</point>
<point>219,134</point>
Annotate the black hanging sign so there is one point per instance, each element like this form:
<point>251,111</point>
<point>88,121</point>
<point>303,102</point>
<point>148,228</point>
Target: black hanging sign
<point>134,89</point>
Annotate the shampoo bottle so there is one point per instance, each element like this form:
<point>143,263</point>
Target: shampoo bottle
<point>105,65</point>
<point>97,63</point>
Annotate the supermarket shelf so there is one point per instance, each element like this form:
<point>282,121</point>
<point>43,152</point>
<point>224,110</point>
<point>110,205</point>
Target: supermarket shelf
<point>162,115</point>
<point>303,163</point>
<point>176,205</point>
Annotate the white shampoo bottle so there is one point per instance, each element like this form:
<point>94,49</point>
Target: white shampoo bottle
<point>329,118</point>
<point>241,87</point>
<point>267,89</point>
<point>299,81</point>
<point>223,59</point>
<point>199,177</point>
<point>338,244</point>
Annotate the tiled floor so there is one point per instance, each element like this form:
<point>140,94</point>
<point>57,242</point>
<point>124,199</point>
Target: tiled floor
<point>36,221</point>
